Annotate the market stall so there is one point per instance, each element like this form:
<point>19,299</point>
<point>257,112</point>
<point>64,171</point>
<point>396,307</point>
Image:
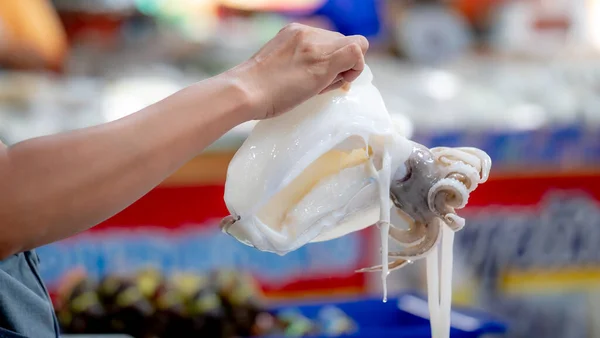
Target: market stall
<point>462,73</point>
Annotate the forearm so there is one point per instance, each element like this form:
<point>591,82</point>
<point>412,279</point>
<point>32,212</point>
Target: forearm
<point>53,187</point>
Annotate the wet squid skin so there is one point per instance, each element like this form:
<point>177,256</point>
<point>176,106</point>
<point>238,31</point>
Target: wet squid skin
<point>426,192</point>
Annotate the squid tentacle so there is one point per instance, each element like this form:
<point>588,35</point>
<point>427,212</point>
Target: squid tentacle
<point>474,157</point>
<point>432,238</point>
<point>444,197</point>
<point>409,254</point>
<point>464,173</point>
<point>395,265</point>
<point>227,222</point>
<point>414,235</point>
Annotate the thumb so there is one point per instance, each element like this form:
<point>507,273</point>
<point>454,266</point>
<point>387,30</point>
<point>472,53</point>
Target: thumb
<point>335,85</point>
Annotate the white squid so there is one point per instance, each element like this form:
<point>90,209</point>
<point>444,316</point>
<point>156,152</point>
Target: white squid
<point>332,165</point>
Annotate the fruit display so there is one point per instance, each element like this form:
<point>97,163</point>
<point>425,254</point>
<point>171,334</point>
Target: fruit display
<point>148,304</point>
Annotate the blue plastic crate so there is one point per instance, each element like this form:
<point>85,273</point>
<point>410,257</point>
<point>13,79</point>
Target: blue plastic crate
<point>406,316</point>
<point>352,17</point>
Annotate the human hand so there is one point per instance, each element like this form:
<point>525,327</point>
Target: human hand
<point>299,63</point>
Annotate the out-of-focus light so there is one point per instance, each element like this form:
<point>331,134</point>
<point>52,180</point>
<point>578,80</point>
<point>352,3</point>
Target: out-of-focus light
<point>195,19</point>
<point>594,23</point>
<point>148,7</point>
<point>526,117</point>
<point>441,85</point>
<point>131,95</point>
<point>273,5</point>
<point>432,35</point>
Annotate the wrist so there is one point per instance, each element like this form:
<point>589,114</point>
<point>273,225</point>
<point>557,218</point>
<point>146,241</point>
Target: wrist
<point>244,79</point>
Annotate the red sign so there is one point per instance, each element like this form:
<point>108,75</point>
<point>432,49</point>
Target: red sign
<point>176,228</point>
<point>529,188</point>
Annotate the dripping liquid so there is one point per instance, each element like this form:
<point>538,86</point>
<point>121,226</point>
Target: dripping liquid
<point>439,285</point>
<point>384,181</point>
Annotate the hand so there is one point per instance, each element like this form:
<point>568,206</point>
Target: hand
<point>299,63</point>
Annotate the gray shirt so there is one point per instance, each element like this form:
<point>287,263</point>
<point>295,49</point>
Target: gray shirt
<point>25,307</point>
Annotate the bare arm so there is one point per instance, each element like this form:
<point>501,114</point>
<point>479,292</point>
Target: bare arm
<point>53,187</point>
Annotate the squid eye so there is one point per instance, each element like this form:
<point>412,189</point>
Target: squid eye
<point>403,173</point>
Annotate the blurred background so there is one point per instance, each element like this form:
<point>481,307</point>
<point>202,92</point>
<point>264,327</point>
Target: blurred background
<point>519,79</point>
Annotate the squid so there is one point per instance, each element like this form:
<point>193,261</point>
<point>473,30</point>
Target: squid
<point>338,164</point>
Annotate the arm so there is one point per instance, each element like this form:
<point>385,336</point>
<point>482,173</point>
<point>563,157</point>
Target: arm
<point>55,186</point>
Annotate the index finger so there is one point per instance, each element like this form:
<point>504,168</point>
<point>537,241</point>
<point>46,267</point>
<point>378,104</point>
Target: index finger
<point>361,41</point>
<point>344,41</point>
